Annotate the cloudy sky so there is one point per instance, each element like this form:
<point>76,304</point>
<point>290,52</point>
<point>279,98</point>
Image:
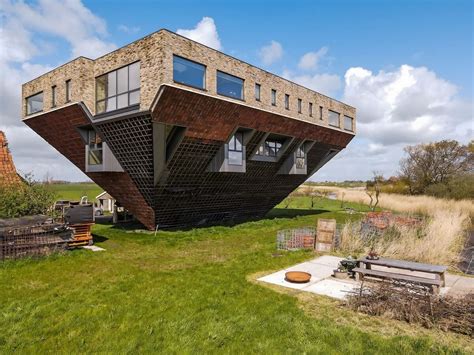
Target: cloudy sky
<point>405,65</point>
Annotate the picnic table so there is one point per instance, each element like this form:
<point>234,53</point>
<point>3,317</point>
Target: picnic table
<point>364,268</point>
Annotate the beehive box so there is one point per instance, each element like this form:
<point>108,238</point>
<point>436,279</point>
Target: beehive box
<point>325,234</point>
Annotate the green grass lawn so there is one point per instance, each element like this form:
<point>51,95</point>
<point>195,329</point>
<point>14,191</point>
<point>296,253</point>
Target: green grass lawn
<point>191,292</point>
<point>74,192</point>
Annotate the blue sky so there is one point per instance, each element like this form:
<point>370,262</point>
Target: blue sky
<point>405,65</point>
<point>373,34</point>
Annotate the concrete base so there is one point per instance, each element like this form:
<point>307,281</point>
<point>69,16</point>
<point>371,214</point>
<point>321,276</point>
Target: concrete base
<point>323,283</point>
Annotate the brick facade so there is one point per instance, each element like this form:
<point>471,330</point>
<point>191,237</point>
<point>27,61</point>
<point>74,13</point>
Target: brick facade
<point>59,128</point>
<point>155,53</point>
<point>8,174</point>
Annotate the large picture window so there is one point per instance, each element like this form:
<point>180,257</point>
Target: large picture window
<point>34,103</point>
<point>95,156</point>
<point>236,149</point>
<point>229,85</point>
<point>333,118</point>
<point>189,73</point>
<point>118,89</point>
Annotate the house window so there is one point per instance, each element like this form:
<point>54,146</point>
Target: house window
<point>310,109</point>
<point>235,149</point>
<point>118,89</point>
<point>348,123</point>
<point>300,158</point>
<point>53,96</point>
<point>68,90</point>
<point>189,73</point>
<point>287,101</point>
<point>274,97</point>
<point>257,92</point>
<point>94,143</point>
<point>270,148</point>
<point>333,118</point>
<point>300,103</point>
<point>229,85</point>
<point>34,103</point>
<point>321,113</point>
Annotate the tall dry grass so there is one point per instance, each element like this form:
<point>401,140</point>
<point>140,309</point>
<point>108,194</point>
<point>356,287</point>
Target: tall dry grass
<point>426,205</point>
<point>438,240</point>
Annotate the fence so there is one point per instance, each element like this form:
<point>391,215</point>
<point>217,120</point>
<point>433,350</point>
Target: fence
<point>27,241</point>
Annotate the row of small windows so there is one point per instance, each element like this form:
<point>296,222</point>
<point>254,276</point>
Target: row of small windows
<point>193,74</point>
<point>121,88</point>
<point>35,103</point>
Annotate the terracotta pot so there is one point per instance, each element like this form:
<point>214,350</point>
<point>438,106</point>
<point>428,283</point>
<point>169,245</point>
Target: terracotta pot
<point>297,277</point>
<point>341,274</point>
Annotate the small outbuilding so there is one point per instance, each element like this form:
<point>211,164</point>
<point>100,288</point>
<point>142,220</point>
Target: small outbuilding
<point>105,202</point>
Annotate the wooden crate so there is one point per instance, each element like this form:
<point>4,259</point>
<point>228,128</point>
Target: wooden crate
<point>82,234</point>
<point>325,234</point>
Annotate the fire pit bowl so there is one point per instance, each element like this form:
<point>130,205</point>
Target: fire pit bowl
<point>298,277</point>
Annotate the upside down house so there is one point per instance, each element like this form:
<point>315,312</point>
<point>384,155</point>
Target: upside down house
<point>183,135</point>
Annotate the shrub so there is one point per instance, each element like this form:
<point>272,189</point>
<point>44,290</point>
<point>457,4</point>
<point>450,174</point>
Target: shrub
<point>27,198</point>
<point>459,187</point>
<point>416,306</point>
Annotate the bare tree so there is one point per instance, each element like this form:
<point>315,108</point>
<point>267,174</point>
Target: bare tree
<point>372,189</point>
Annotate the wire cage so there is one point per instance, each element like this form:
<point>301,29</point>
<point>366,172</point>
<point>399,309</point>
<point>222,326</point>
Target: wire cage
<point>295,239</point>
<point>28,241</point>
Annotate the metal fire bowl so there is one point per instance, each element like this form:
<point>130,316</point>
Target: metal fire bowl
<point>298,277</point>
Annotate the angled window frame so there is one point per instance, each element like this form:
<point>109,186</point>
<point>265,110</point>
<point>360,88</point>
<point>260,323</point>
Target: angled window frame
<point>114,97</point>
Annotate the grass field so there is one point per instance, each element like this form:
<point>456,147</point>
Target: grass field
<point>74,192</point>
<point>191,292</point>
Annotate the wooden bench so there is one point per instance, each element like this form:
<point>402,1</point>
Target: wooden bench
<point>360,273</point>
<point>437,270</point>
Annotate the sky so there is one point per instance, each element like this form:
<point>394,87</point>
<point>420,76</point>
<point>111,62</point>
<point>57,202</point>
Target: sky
<point>407,66</point>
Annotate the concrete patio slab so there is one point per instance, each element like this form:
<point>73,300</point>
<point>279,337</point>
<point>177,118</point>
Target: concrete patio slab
<point>323,283</point>
<point>278,278</point>
<point>332,288</point>
<point>328,260</point>
<point>462,286</point>
<point>93,248</point>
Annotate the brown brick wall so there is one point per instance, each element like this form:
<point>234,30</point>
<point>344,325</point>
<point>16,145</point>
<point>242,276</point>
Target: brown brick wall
<point>210,118</point>
<point>58,128</point>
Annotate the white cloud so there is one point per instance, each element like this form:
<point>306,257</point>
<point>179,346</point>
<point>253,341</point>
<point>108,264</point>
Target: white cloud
<point>407,105</point>
<point>128,29</point>
<point>327,84</point>
<point>271,53</point>
<point>20,45</point>
<point>311,60</point>
<point>205,32</point>
<point>67,19</point>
